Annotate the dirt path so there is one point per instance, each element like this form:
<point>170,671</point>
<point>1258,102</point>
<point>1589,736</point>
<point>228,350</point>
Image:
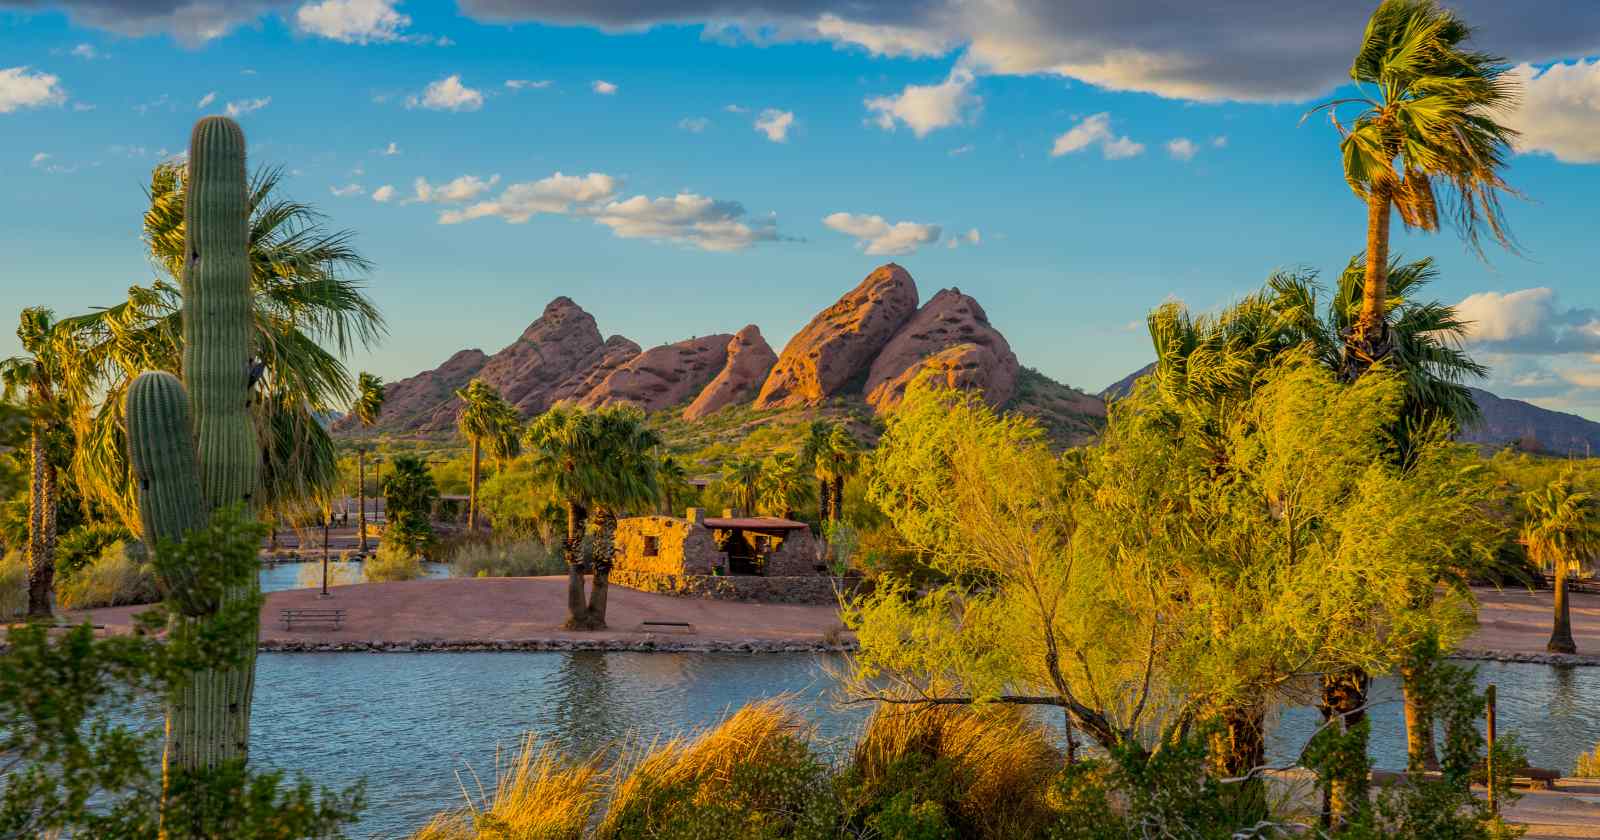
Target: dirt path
<point>1517,621</point>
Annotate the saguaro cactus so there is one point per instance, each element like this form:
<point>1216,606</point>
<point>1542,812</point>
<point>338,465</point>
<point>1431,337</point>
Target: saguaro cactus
<point>192,444</point>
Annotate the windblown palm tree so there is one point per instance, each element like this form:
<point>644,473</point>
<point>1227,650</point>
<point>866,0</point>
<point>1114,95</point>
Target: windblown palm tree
<point>506,442</point>
<point>784,485</point>
<point>42,381</point>
<point>743,475</point>
<point>562,441</point>
<point>368,406</point>
<point>814,452</point>
<point>625,448</point>
<point>309,311</point>
<point>674,482</point>
<point>1427,124</point>
<point>843,458</point>
<point>1562,532</point>
<point>481,413</point>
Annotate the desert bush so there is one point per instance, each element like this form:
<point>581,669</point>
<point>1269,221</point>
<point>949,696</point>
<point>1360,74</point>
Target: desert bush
<point>84,544</point>
<point>1588,764</point>
<point>121,574</point>
<point>13,585</point>
<point>391,562</point>
<point>341,572</point>
<point>510,558</point>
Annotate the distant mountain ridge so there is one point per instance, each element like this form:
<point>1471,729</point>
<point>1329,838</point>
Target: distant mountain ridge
<point>1505,421</point>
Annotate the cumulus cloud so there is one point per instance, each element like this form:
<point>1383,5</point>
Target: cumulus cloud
<point>1529,321</point>
<point>353,21</point>
<point>686,218</point>
<point>1182,148</point>
<point>1095,130</point>
<point>21,88</point>
<point>735,109</point>
<point>245,106</point>
<point>925,108</point>
<point>971,237</point>
<point>384,193</point>
<point>390,150</point>
<point>875,235</point>
<point>347,190</point>
<point>693,125</point>
<point>447,94</point>
<point>464,188</point>
<point>523,84</point>
<point>775,124</point>
<point>603,87</point>
<point>47,162</point>
<point>87,52</point>
<point>206,100</point>
<point>1560,111</point>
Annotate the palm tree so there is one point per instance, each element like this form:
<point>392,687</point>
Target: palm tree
<point>1428,125</point>
<point>624,449</point>
<point>1562,531</point>
<point>506,441</point>
<point>306,295</point>
<point>814,453</point>
<point>784,485</point>
<point>561,441</point>
<point>744,476</point>
<point>480,420</point>
<point>673,480</point>
<point>367,407</point>
<point>844,459</point>
<point>41,379</point>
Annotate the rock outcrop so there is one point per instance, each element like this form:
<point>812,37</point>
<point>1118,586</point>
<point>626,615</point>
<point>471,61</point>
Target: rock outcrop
<point>951,336</point>
<point>833,352</point>
<point>410,403</point>
<point>554,347</point>
<point>594,369</point>
<point>750,359</point>
<point>663,376</point>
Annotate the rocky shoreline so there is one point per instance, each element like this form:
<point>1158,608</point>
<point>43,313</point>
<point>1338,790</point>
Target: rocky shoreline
<point>649,645</point>
<point>1565,659</point>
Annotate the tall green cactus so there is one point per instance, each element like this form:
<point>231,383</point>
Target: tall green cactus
<point>192,444</point>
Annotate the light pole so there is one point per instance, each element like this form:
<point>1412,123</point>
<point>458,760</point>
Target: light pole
<point>327,518</point>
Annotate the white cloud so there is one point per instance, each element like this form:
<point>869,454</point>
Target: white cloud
<point>686,218</point>
<point>775,124</point>
<point>522,84</point>
<point>875,235</point>
<point>1095,130</point>
<point>45,161</point>
<point>447,94</point>
<point>971,237</point>
<point>390,150</point>
<point>20,88</point>
<point>39,159</point>
<point>1182,148</point>
<point>1220,141</point>
<point>693,125</point>
<point>736,109</point>
<point>383,193</point>
<point>464,188</point>
<point>1560,111</point>
<point>240,108</point>
<point>1529,321</point>
<point>961,150</point>
<point>925,108</point>
<point>353,21</point>
<point>603,87</point>
<point>347,190</point>
<point>82,106</point>
<point>87,52</point>
<point>886,40</point>
<point>206,100</point>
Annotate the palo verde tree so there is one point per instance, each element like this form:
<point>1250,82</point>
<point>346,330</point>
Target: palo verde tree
<point>1561,532</point>
<point>367,407</point>
<point>1427,124</point>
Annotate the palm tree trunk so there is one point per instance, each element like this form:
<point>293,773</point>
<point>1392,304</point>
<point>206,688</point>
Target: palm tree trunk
<point>824,507</point>
<point>1561,635</point>
<point>577,610</point>
<point>603,554</point>
<point>836,500</point>
<point>361,499</point>
<point>1368,343</point>
<point>1239,747</point>
<point>41,529</point>
<point>1344,695</point>
<point>472,497</point>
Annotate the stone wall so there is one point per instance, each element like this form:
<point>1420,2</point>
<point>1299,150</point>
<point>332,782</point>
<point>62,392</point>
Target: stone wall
<point>682,547</point>
<point>801,589</point>
<point>794,555</point>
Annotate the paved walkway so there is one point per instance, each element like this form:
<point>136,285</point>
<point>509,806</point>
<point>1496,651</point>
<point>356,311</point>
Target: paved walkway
<point>1519,621</point>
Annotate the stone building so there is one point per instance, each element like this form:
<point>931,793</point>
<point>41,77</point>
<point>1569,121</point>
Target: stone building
<point>722,545</point>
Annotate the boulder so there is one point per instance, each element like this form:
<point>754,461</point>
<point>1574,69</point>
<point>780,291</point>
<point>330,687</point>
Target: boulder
<point>949,320</point>
<point>750,359</point>
<point>664,376</point>
<point>832,353</point>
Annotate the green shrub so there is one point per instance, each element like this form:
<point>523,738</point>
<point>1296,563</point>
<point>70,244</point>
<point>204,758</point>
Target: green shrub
<point>512,558</point>
<point>409,493</point>
<point>13,585</point>
<point>121,574</point>
<point>391,562</point>
<point>1588,764</point>
<point>84,544</point>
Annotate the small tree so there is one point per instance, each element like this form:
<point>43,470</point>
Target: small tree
<point>409,494</point>
<point>482,419</point>
<point>743,476</point>
<point>368,405</point>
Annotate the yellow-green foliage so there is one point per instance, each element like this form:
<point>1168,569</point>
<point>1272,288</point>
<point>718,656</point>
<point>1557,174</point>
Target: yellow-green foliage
<point>13,585</point>
<point>512,558</point>
<point>989,770</point>
<point>340,573</point>
<point>1588,765</point>
<point>120,575</point>
<point>391,563</point>
<point>539,796</point>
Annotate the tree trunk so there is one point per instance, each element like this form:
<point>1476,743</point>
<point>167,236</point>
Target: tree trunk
<point>577,610</point>
<point>1420,753</point>
<point>1561,636</point>
<point>41,530</point>
<point>1239,747</point>
<point>472,491</point>
<point>836,500</point>
<point>824,506</point>
<point>1368,342</point>
<point>1344,695</point>
<point>361,499</point>
<point>604,553</point>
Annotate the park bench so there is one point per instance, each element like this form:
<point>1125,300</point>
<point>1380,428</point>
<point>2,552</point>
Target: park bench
<point>292,616</point>
<point>663,625</point>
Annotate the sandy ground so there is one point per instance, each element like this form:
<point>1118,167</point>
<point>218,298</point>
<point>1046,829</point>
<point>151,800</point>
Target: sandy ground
<point>1572,810</point>
<point>1518,621</point>
<point>487,609</point>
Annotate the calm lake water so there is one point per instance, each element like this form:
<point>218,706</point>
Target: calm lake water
<point>410,723</point>
<point>281,576</point>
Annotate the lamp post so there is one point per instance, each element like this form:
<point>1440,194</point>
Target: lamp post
<point>327,519</point>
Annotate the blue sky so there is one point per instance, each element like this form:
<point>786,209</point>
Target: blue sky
<point>1070,164</point>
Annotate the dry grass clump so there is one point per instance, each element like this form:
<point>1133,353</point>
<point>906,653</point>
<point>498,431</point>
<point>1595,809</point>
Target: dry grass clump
<point>391,562</point>
<point>540,796</point>
<point>120,575</point>
<point>341,572</point>
<point>1588,765</point>
<point>992,767</point>
<point>13,585</point>
<point>510,558</point>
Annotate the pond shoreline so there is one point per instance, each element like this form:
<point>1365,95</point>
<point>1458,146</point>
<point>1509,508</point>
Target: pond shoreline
<point>611,645</point>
